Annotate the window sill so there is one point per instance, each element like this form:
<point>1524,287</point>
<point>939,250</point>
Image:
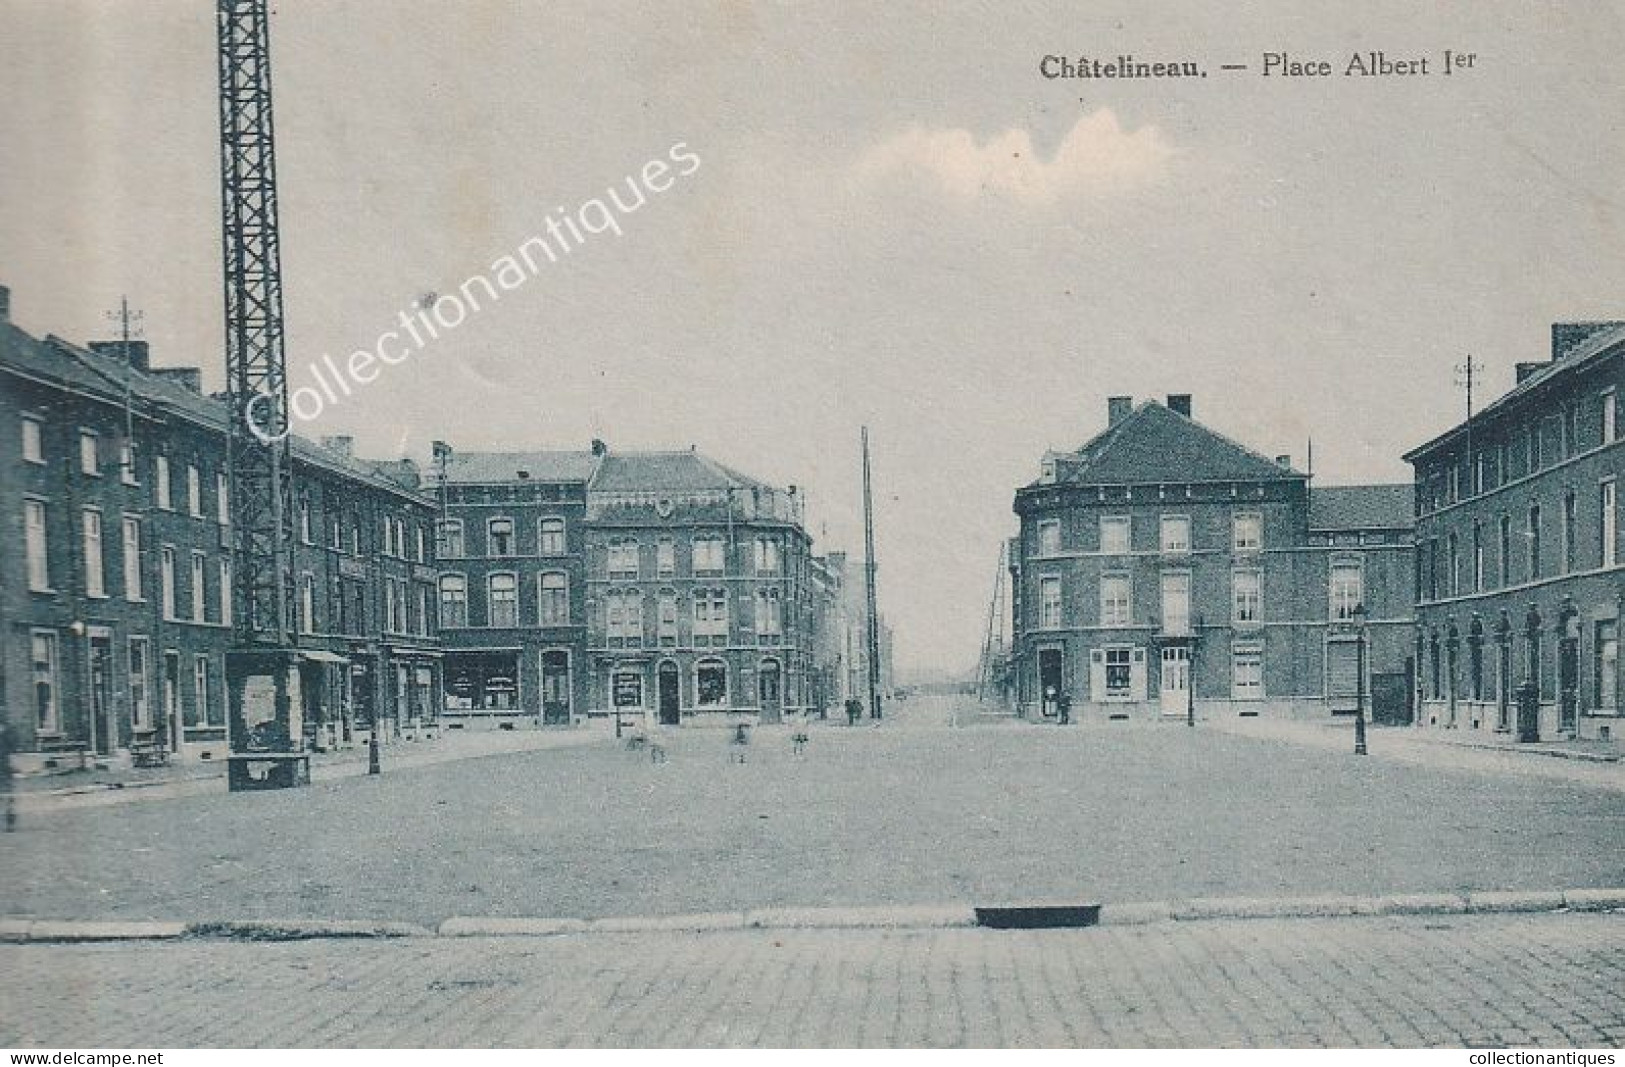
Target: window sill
<point>47,591</point>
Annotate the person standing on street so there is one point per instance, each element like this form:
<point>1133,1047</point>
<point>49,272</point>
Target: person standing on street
<point>1063,707</point>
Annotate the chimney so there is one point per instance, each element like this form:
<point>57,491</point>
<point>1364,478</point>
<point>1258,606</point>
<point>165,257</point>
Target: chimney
<point>1526,369</point>
<point>5,303</point>
<point>1118,408</point>
<point>1180,403</point>
<point>1566,336</point>
<point>1284,462</point>
<point>341,444</point>
<point>599,448</point>
<point>186,377</point>
<point>137,351</point>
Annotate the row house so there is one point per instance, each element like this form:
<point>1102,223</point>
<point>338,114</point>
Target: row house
<point>1518,567</point>
<point>116,608</point>
<point>1162,563</point>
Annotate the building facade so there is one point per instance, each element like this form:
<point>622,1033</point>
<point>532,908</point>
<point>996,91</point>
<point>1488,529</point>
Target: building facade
<point>116,602</point>
<point>1162,564</point>
<point>1518,566</point>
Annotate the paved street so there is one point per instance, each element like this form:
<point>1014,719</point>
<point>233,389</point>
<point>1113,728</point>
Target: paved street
<point>1543,981</point>
<point>898,814</point>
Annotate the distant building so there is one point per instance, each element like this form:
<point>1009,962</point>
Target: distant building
<point>1519,549</point>
<point>116,582</point>
<point>1161,544</point>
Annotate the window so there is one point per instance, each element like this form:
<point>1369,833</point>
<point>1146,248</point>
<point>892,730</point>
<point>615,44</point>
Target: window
<point>388,539</point>
<point>304,520</point>
<point>392,604</point>
<point>1453,576</point>
<point>1478,558</point>
<point>88,460</point>
<point>1049,602</point>
<point>504,605</point>
<point>555,599</point>
<point>624,617</point>
<point>400,605</point>
<point>1534,445</point>
<point>140,656</point>
<point>666,557</point>
<point>1534,542</point>
<point>420,547</point>
<point>126,463</point>
<point>1610,415</point>
<point>450,536</point>
<point>623,559</point>
<point>224,578</point>
<point>710,616</point>
<point>166,575</point>
<point>711,684</point>
<point>39,567</point>
<point>33,441</point>
<point>708,557</point>
<point>1247,594</point>
<point>95,578</point>
<point>1506,550</point>
<point>202,690</point>
<point>422,602</point>
<point>1610,523</point>
<point>767,555</point>
<point>160,483</point>
<point>198,590</point>
<point>355,535</point>
<point>194,492</point>
<point>1119,674</point>
<point>1571,531</point>
<point>769,619</point>
<point>667,618</point>
<point>44,656</point>
<point>499,537</point>
<point>1247,532</point>
<point>453,600</point>
<point>1176,603</point>
<point>1247,674</point>
<point>1608,665</point>
<point>550,537</point>
<point>1176,533</point>
<point>307,604</point>
<point>1115,534</point>
<point>1049,537</point>
<point>132,558</point>
<point>1347,587</point>
<point>222,503</point>
<point>1115,594</point>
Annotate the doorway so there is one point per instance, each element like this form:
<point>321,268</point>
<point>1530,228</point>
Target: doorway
<point>555,687</point>
<point>172,699</point>
<point>670,688</point>
<point>1176,680</point>
<point>101,691</point>
<point>770,690</point>
<point>1051,678</point>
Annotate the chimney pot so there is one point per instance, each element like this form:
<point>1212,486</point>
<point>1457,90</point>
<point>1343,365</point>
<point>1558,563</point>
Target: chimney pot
<point>1181,403</point>
<point>1118,408</point>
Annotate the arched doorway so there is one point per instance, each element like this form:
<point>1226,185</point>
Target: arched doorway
<point>668,693</point>
<point>770,690</point>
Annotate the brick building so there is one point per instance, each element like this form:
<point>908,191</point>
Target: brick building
<point>1519,549</point>
<point>115,598</point>
<point>1161,550</point>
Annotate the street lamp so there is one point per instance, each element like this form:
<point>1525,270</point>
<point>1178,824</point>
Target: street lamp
<point>1359,679</point>
<point>1190,680</point>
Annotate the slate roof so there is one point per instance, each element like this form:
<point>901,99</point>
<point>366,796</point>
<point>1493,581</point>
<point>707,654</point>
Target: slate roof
<point>1155,444</point>
<point>485,467</point>
<point>1362,507</point>
<point>1606,341</point>
<point>632,472</point>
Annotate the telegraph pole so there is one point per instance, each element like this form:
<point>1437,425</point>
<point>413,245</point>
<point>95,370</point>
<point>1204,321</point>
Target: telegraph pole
<point>869,583</point>
<point>1465,373</point>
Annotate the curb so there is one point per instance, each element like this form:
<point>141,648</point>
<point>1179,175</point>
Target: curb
<point>948,917</point>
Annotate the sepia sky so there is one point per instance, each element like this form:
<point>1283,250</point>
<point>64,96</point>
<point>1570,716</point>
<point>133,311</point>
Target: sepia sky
<point>896,221</point>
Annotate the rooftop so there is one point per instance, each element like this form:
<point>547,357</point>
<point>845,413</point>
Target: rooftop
<point>1156,444</point>
<point>1361,507</point>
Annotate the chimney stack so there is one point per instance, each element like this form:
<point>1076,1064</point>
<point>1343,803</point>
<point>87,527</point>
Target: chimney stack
<point>186,377</point>
<point>1118,408</point>
<point>5,303</point>
<point>1566,336</point>
<point>340,444</point>
<point>1180,403</point>
<point>1526,369</point>
<point>1284,462</point>
<point>599,448</point>
<point>138,352</point>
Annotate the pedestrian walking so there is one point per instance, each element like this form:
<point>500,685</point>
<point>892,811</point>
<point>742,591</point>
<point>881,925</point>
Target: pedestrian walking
<point>1063,707</point>
<point>854,711</point>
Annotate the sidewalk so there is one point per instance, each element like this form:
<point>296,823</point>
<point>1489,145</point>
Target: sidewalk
<point>1577,762</point>
<point>74,790</point>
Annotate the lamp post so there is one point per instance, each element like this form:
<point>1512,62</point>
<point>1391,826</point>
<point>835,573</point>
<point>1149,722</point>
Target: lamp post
<point>1359,679</point>
<point>1190,678</point>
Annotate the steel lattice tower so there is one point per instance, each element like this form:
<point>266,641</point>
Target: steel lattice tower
<point>256,368</point>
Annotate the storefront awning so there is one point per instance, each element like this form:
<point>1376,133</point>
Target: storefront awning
<point>318,656</point>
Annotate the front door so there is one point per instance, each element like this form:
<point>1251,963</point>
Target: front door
<point>101,691</point>
<point>172,699</point>
<point>1176,680</point>
<point>1568,684</point>
<point>770,690</point>
<point>670,687</point>
<point>555,687</point>
<point>1050,679</point>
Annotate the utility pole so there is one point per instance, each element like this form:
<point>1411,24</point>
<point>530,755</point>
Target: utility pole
<point>1465,373</point>
<point>993,643</point>
<point>869,583</point>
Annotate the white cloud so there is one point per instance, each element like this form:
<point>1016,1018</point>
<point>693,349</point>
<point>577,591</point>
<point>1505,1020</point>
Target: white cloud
<point>1097,155</point>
